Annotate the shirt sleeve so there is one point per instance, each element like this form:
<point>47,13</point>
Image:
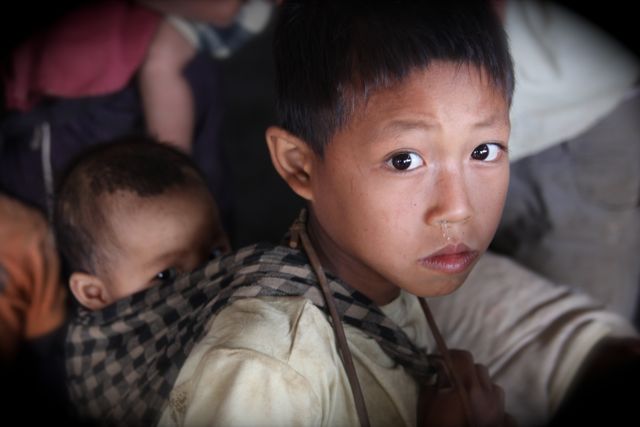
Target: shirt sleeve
<point>263,362</point>
<point>243,388</point>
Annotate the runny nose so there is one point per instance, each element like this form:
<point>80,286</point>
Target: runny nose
<point>450,230</point>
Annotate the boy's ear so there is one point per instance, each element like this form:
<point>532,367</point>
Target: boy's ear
<point>89,290</point>
<point>292,158</point>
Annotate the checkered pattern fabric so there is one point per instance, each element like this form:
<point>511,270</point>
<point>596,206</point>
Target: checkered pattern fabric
<point>122,361</point>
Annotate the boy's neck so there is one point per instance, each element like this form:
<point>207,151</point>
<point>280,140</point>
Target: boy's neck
<point>349,269</point>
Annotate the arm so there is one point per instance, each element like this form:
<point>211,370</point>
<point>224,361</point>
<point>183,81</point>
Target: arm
<point>532,334</point>
<point>167,101</point>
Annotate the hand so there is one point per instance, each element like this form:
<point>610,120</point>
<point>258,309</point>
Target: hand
<point>441,405</point>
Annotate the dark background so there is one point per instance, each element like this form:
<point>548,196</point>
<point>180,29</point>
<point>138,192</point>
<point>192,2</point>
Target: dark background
<point>264,205</point>
<point>618,18</point>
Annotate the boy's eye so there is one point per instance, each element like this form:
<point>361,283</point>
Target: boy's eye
<point>405,161</point>
<point>487,152</point>
<point>167,275</point>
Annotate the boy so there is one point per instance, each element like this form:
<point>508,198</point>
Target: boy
<point>131,214</point>
<point>395,183</point>
<point>404,183</point>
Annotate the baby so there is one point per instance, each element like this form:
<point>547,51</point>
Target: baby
<point>131,214</point>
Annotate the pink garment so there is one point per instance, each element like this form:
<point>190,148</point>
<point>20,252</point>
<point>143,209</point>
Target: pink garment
<point>93,50</point>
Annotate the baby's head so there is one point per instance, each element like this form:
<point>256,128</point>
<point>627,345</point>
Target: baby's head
<point>131,214</point>
<point>394,122</point>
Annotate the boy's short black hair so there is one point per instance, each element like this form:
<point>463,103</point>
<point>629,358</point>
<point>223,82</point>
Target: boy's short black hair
<point>332,54</point>
<point>134,163</point>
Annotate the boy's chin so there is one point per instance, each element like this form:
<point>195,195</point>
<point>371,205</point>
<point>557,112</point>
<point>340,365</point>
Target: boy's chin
<point>438,288</point>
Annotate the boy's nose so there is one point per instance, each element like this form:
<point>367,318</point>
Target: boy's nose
<point>449,201</point>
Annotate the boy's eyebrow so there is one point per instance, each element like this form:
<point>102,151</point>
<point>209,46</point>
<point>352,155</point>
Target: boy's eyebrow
<point>401,125</point>
<point>495,119</point>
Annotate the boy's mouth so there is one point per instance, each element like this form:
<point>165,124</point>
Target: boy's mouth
<point>451,259</point>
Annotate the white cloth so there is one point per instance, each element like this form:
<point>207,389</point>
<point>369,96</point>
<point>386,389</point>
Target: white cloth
<point>569,74</point>
<point>273,361</point>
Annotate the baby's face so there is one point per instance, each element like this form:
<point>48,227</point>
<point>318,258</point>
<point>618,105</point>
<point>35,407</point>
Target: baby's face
<point>158,238</point>
<point>410,192</point>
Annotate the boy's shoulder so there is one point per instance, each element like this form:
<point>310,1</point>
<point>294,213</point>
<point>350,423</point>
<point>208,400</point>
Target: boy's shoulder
<point>270,348</point>
<point>289,329</point>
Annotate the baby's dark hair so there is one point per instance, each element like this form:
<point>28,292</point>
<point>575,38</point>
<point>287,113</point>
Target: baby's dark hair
<point>135,163</point>
<point>331,55</point>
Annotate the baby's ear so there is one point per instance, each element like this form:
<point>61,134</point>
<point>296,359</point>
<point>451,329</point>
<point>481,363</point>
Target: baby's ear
<point>292,158</point>
<point>89,290</point>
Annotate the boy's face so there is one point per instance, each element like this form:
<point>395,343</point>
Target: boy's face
<point>157,238</point>
<point>409,194</point>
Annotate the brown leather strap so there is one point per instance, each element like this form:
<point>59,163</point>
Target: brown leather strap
<point>299,233</point>
<point>451,373</point>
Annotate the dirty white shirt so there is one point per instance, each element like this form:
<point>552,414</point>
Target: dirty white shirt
<point>274,362</point>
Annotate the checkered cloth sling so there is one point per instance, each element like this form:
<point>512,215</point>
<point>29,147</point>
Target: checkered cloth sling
<point>122,361</point>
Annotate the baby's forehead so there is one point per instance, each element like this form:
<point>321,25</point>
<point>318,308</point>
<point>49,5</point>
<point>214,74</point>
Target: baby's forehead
<point>126,196</point>
<point>123,203</point>
<point>125,209</point>
<point>120,199</point>
<point>176,202</point>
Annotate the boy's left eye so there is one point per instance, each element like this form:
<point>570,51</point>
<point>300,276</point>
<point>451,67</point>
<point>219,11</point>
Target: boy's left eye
<point>487,152</point>
<point>405,161</point>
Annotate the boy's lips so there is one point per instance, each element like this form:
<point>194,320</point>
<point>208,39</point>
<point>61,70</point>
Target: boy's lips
<point>450,259</point>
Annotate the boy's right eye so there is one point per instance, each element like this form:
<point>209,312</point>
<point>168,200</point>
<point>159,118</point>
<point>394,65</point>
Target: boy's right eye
<point>405,161</point>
